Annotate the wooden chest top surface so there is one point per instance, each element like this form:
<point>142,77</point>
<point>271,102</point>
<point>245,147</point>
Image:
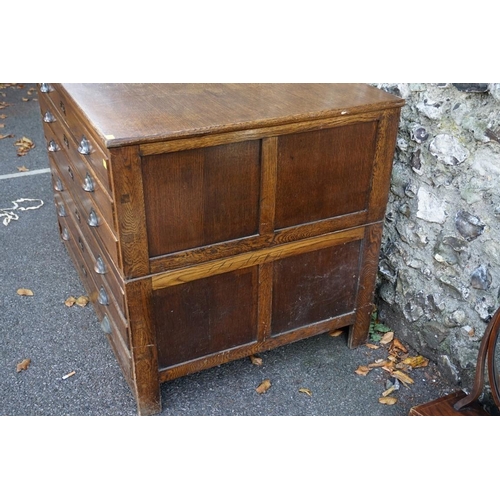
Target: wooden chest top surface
<point>138,113</point>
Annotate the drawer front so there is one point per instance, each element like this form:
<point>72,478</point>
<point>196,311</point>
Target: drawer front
<point>81,179</point>
<point>86,211</point>
<point>106,298</point>
<point>99,259</point>
<point>88,146</point>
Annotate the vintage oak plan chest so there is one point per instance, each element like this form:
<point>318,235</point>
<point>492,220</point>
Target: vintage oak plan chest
<point>209,222</point>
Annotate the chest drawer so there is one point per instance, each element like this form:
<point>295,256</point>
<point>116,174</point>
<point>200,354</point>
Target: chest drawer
<point>86,145</point>
<point>79,179</point>
<point>68,207</point>
<point>110,294</point>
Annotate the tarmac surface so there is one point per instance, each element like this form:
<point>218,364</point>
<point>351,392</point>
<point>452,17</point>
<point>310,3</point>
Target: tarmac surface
<point>313,377</point>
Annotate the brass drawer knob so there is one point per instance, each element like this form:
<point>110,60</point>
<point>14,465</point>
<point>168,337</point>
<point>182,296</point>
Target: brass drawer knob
<point>100,267</point>
<point>93,220</point>
<point>61,211</point>
<point>103,298</point>
<point>84,147</point>
<point>53,147</point>
<point>48,117</point>
<point>88,185</point>
<point>58,186</point>
<point>46,87</point>
<point>106,325</point>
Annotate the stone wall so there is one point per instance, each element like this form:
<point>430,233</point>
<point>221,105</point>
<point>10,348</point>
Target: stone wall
<point>439,275</point>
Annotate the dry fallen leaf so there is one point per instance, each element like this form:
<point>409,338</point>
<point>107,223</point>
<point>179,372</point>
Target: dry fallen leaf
<point>82,301</point>
<point>23,146</point>
<point>256,360</point>
<point>389,391</point>
<point>3,117</point>
<point>416,361</point>
<point>372,346</point>
<point>6,136</point>
<point>387,338</point>
<point>25,292</point>
<point>363,370</point>
<point>336,333</point>
<point>387,400</point>
<point>264,386</point>
<point>398,345</point>
<point>23,169</point>
<point>25,99</point>
<point>380,364</point>
<point>23,365</point>
<point>305,391</point>
<point>2,125</point>
<point>402,377</point>
<point>70,301</point>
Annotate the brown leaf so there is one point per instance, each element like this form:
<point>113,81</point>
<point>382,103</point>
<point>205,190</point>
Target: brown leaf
<point>2,125</point>
<point>387,400</point>
<point>306,391</point>
<point>380,364</point>
<point>25,292</point>
<point>3,117</point>
<point>363,370</point>
<point>4,104</point>
<point>256,360</point>
<point>398,345</point>
<point>23,365</point>
<point>387,338</point>
<point>372,346</point>
<point>416,361</point>
<point>389,391</point>
<point>402,377</point>
<point>264,386</point>
<point>23,146</point>
<point>6,136</point>
<point>25,99</point>
<point>70,301</point>
<point>23,169</point>
<point>336,333</point>
<point>82,301</point>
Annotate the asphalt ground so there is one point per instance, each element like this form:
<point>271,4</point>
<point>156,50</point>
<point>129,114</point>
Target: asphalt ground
<point>313,377</point>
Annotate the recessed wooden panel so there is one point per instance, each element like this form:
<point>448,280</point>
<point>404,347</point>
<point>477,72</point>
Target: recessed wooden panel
<point>205,316</point>
<point>324,173</point>
<point>314,286</point>
<point>202,196</point>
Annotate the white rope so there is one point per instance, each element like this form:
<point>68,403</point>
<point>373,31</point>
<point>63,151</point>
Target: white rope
<point>9,214</point>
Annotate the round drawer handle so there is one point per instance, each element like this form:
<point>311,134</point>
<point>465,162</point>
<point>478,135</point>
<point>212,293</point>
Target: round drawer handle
<point>93,220</point>
<point>46,87</point>
<point>84,147</point>
<point>106,325</point>
<point>65,234</point>
<point>100,267</point>
<point>58,186</point>
<point>53,147</point>
<point>102,298</point>
<point>88,185</point>
<point>48,117</point>
<point>61,211</point>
